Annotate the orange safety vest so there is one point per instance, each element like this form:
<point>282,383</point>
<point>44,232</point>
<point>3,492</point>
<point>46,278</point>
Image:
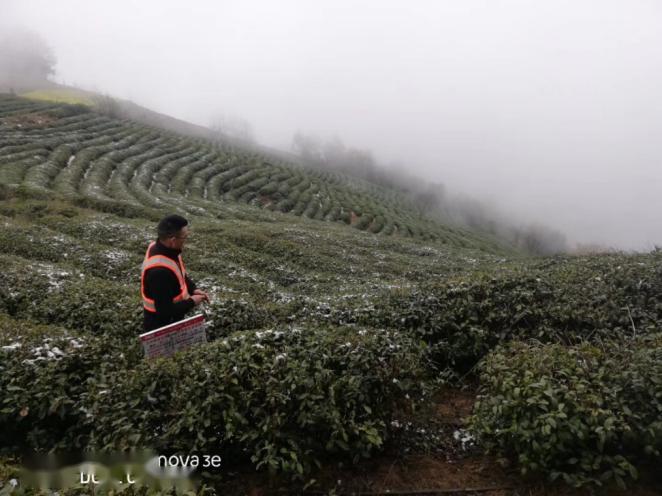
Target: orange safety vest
<point>162,261</point>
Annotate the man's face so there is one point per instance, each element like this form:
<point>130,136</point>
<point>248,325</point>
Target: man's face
<point>180,238</point>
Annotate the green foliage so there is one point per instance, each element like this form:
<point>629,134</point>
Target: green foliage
<point>585,413</point>
<point>69,110</point>
<point>283,399</point>
<point>235,315</point>
<point>561,300</point>
<point>44,374</point>
<point>52,295</point>
<point>108,164</point>
<point>120,208</point>
<point>346,312</point>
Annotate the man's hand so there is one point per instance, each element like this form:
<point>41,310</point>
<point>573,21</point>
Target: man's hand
<point>199,292</point>
<point>198,298</point>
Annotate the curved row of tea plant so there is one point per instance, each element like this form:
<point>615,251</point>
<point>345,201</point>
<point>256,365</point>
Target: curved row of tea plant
<point>282,399</point>
<point>564,299</point>
<point>79,154</point>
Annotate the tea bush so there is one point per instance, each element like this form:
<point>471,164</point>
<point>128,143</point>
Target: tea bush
<point>565,300</point>
<point>69,110</point>
<point>282,399</point>
<point>586,413</point>
<point>43,379</point>
<point>60,295</point>
<point>234,315</point>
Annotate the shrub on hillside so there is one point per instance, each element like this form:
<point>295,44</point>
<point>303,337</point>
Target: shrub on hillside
<point>230,315</point>
<point>69,110</point>
<point>50,294</point>
<point>44,374</point>
<point>586,414</point>
<point>281,399</point>
<point>565,301</point>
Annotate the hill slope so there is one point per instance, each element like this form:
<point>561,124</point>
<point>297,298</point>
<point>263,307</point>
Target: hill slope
<point>328,342</point>
<point>85,156</point>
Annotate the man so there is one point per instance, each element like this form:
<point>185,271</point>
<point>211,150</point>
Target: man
<point>167,291</point>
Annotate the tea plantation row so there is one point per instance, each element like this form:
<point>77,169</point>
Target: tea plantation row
<point>71,152</point>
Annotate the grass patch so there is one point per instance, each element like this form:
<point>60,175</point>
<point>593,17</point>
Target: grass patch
<point>63,95</point>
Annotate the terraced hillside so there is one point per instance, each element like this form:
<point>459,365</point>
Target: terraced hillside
<point>84,156</point>
<point>329,345</point>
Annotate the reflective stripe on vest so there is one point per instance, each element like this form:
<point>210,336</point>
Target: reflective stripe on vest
<point>162,261</point>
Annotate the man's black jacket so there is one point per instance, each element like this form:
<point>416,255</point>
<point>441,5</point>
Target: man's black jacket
<point>162,286</point>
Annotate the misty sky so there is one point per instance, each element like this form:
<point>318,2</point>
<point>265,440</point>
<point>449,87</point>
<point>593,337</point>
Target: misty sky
<point>550,110</point>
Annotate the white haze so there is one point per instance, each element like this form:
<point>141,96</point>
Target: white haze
<point>549,110</point>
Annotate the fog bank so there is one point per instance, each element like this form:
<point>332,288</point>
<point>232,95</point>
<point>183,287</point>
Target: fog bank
<point>548,110</point>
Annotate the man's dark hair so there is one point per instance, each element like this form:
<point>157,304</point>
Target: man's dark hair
<point>169,226</point>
